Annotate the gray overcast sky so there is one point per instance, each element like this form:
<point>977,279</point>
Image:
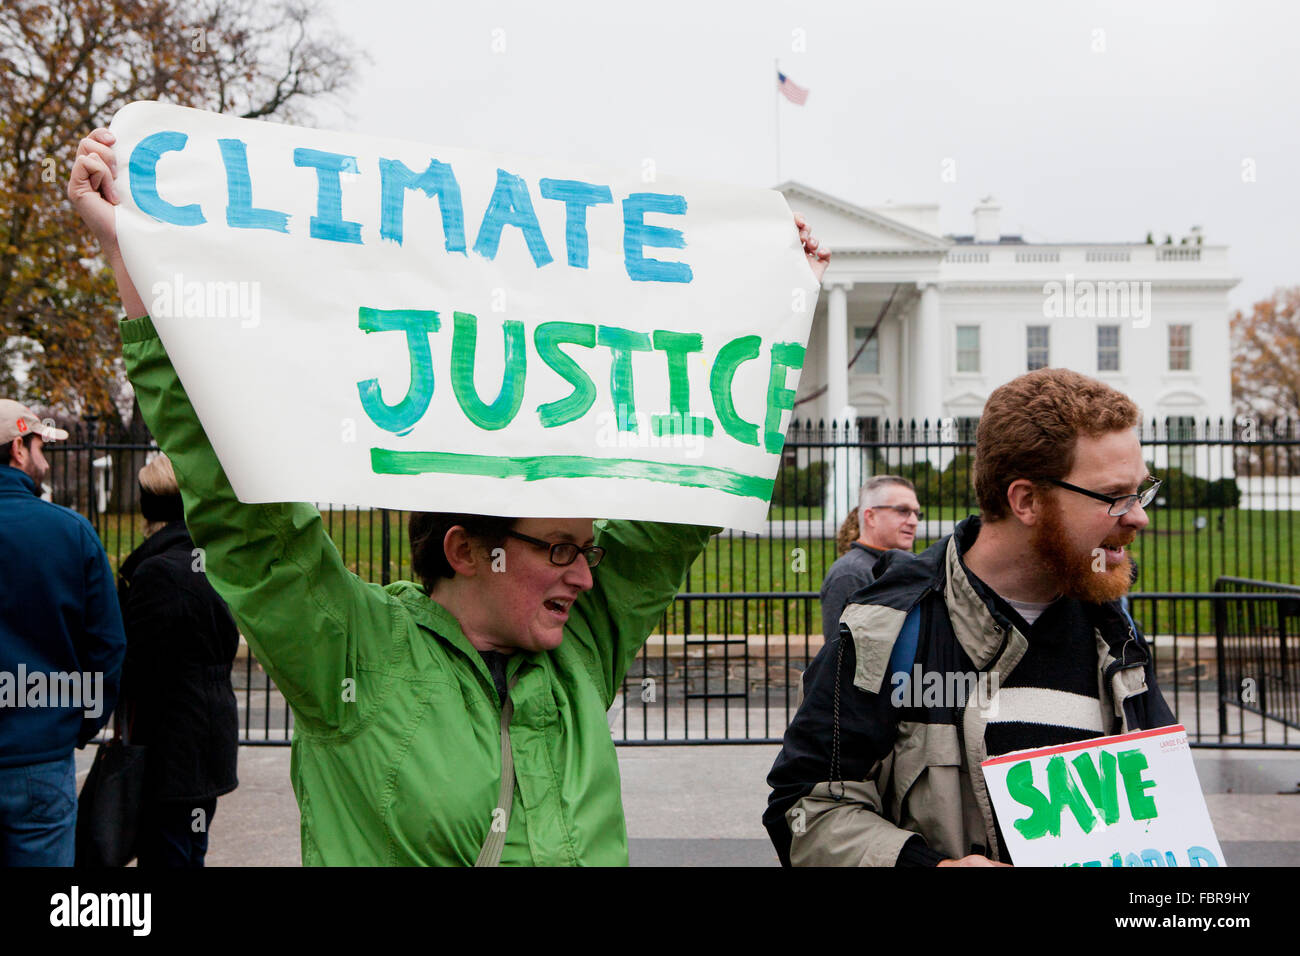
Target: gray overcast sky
<point>1148,132</point>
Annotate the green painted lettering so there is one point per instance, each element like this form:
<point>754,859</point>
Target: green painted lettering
<point>730,356</point>
<point>418,326</point>
<point>1131,765</point>
<point>785,356</point>
<point>1045,812</point>
<point>1102,790</point>
<point>1065,794</point>
<point>679,421</point>
<point>506,405</point>
<point>548,337</point>
<point>622,343</point>
<point>1020,786</point>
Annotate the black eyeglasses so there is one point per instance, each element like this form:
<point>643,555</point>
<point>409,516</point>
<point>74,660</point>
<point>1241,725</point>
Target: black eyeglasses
<point>564,553</point>
<point>1119,504</point>
<point>903,510</point>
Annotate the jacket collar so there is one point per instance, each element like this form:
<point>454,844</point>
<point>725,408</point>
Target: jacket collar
<point>13,480</point>
<point>874,552</point>
<point>164,539</point>
<point>432,616</point>
<point>981,632</point>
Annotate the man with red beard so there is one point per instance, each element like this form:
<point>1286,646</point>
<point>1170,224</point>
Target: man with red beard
<point>1007,635</point>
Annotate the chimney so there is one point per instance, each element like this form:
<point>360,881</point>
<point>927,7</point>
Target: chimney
<point>987,228</point>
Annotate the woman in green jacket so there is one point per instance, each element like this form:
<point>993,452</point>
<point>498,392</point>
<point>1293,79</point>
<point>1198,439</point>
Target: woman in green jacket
<point>460,721</point>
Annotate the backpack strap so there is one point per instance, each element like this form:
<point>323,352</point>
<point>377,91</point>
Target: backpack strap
<point>495,841</point>
<point>903,655</point>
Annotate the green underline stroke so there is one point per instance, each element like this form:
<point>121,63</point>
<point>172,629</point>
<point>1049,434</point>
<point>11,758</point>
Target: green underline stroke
<point>387,461</point>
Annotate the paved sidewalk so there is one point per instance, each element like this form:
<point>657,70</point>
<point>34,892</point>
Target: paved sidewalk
<point>701,806</point>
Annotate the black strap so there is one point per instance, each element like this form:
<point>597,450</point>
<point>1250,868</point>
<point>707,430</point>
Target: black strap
<point>835,725</point>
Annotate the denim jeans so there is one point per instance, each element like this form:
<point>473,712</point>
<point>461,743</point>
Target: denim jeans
<point>38,813</point>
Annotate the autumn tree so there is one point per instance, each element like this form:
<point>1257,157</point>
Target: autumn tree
<point>66,68</point>
<point>1266,377</point>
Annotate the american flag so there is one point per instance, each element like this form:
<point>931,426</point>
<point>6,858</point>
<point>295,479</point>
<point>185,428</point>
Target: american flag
<point>795,93</point>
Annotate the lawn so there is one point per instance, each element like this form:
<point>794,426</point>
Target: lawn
<point>357,534</point>
<point>1174,554</point>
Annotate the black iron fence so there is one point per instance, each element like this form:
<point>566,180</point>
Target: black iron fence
<point>725,663</point>
<point>1258,623</point>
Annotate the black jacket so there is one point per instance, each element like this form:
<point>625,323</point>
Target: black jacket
<point>181,644</point>
<point>889,784</point>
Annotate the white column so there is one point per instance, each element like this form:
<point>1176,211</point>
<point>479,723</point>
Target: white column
<point>904,387</point>
<point>837,353</point>
<point>846,467</point>
<point>926,369</point>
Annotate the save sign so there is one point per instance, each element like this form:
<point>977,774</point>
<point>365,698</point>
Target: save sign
<point>375,322</point>
<point>1130,800</point>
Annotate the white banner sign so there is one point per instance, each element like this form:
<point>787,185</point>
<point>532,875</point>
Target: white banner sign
<point>1130,800</point>
<point>377,322</point>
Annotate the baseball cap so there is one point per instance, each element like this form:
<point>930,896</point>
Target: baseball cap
<point>18,421</point>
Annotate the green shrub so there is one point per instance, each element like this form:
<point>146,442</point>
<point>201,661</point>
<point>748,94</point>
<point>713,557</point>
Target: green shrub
<point>801,487</point>
<point>1181,490</point>
<point>1223,493</point>
<point>934,488</point>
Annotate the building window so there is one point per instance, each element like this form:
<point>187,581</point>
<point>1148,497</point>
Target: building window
<point>1108,348</point>
<point>1036,353</point>
<point>1180,431</point>
<point>868,362</point>
<point>968,348</point>
<point>1180,348</point>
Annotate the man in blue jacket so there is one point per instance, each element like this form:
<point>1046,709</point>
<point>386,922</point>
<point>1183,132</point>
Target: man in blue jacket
<point>61,648</point>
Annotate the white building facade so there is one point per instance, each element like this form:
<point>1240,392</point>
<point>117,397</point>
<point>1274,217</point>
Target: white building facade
<point>960,315</point>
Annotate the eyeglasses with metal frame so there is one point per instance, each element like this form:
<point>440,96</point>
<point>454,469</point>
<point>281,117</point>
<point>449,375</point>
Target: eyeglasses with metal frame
<point>903,510</point>
<point>564,553</point>
<point>1119,504</point>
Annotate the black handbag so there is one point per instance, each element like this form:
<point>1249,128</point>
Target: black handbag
<point>108,810</point>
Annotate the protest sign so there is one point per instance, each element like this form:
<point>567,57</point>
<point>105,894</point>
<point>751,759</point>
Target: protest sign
<point>372,321</point>
<point>1130,800</point>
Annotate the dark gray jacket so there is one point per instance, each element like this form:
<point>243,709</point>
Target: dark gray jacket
<point>850,573</point>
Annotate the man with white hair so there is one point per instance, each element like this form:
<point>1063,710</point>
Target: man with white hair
<point>888,514</point>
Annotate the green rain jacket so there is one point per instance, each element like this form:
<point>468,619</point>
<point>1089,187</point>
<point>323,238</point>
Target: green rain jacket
<point>396,746</point>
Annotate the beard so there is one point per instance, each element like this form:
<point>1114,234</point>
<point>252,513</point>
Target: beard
<point>1073,569</point>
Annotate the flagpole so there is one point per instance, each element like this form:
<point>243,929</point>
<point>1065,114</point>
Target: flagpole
<point>776,100</point>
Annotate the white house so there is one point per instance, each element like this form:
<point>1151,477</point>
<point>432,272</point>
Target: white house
<point>960,315</point>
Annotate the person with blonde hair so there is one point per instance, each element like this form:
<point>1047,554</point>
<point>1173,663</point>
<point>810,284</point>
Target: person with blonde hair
<point>177,696</point>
